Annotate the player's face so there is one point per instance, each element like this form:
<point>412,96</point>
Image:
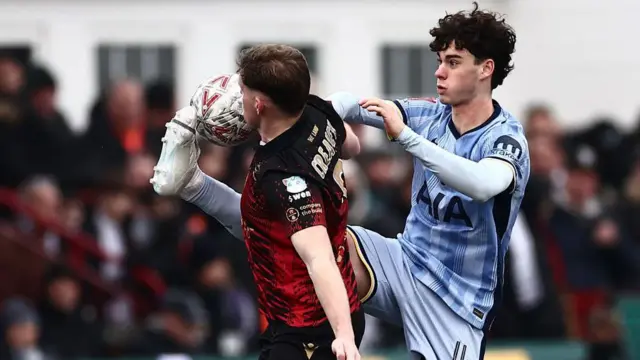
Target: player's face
<point>458,75</point>
<point>250,106</point>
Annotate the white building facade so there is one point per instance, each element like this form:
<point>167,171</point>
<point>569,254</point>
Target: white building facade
<point>578,56</point>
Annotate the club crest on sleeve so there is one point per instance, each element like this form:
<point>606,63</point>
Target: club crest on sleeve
<point>292,214</point>
<point>506,145</point>
<point>295,184</point>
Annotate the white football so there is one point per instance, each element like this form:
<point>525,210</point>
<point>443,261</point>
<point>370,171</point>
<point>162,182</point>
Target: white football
<point>219,113</point>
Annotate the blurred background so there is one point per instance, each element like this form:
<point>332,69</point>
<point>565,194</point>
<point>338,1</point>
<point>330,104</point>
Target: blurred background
<point>94,265</point>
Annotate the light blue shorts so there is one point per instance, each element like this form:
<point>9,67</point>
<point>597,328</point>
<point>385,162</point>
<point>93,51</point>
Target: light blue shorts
<point>432,330</point>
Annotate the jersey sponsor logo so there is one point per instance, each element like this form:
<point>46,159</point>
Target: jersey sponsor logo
<point>299,196</point>
<point>313,134</point>
<point>444,208</point>
<point>295,184</point>
<point>292,214</point>
<point>310,209</point>
<point>507,146</point>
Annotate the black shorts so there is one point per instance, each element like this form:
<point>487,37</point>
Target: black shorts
<point>283,342</point>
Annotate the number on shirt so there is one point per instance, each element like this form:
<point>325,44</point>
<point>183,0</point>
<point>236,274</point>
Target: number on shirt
<point>338,177</point>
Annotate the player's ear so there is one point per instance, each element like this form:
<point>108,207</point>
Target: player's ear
<point>486,68</point>
<point>260,104</point>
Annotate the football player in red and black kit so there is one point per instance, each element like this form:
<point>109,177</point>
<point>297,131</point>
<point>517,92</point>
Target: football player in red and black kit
<point>294,212</point>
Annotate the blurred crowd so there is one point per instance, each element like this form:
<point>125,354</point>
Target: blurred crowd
<point>94,263</point>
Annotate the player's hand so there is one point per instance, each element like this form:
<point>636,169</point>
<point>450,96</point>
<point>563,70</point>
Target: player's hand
<point>345,349</point>
<point>389,112</point>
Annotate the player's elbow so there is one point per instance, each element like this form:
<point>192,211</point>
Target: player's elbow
<point>320,265</point>
<point>345,104</point>
<point>351,146</point>
<point>313,246</point>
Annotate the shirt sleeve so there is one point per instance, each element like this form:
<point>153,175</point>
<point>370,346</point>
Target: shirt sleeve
<point>480,180</point>
<point>508,143</point>
<point>293,201</point>
<point>416,111</point>
<point>348,108</point>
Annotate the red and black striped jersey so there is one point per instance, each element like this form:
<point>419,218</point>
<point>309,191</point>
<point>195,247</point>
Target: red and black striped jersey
<point>296,182</point>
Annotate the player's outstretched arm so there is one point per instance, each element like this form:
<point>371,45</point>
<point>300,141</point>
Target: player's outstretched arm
<point>413,112</point>
<point>347,106</point>
<point>314,247</point>
<point>480,180</point>
<point>220,201</point>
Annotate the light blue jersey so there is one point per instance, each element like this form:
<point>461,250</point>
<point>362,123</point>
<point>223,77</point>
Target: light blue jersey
<point>457,245</point>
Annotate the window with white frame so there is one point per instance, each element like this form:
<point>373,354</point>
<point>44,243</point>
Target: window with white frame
<point>142,62</point>
<point>408,71</point>
<point>309,51</point>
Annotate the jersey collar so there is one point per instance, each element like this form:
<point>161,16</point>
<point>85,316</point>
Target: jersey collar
<point>285,139</point>
<point>497,109</point>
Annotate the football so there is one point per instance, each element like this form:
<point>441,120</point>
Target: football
<point>219,113</point>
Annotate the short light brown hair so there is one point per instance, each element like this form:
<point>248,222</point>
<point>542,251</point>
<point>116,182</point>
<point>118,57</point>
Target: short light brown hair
<point>280,72</point>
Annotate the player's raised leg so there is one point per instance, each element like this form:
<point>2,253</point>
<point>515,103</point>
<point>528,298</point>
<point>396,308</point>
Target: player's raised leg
<point>373,259</point>
<point>432,330</point>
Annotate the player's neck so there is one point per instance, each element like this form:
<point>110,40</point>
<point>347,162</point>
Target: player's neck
<point>472,114</point>
<point>272,128</point>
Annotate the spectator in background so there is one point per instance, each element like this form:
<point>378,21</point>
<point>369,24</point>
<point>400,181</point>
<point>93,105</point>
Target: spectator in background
<point>179,327</point>
<point>52,145</point>
<point>12,144</point>
<point>548,173</point>
<point>116,129</point>
<point>138,170</point>
<point>20,331</point>
<point>385,172</point>
<point>161,107</point>
<point>107,223</point>
<point>233,314</point>
<point>70,330</point>
<point>367,210</point>
<point>43,196</point>
<point>156,232</point>
<point>530,308</point>
<point>214,160</point>
<point>540,121</point>
<point>73,216</point>
<point>597,252</point>
<point>630,147</point>
<point>12,76</point>
<point>606,141</point>
<point>629,209</point>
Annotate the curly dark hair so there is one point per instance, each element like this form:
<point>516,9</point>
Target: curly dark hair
<point>484,34</point>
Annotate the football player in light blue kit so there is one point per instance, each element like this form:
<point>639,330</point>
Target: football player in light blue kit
<point>442,277</point>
